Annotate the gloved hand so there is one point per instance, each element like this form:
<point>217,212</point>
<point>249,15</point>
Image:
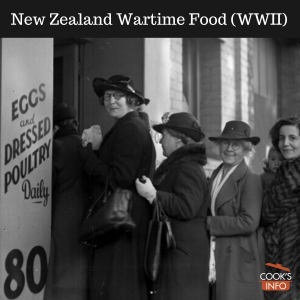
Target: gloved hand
<point>146,190</point>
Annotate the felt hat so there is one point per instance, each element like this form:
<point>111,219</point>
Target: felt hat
<point>182,122</point>
<point>119,83</point>
<point>63,112</point>
<point>236,130</point>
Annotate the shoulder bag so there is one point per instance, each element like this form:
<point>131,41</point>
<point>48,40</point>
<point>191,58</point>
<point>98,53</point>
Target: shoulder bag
<point>107,218</point>
<point>159,237</point>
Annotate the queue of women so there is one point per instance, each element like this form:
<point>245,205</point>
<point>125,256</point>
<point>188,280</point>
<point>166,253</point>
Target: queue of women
<point>226,228</point>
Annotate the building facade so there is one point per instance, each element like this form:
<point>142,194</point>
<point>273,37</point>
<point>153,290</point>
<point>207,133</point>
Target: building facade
<point>215,79</point>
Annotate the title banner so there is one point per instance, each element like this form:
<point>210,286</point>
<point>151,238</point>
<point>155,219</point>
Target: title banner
<point>151,24</point>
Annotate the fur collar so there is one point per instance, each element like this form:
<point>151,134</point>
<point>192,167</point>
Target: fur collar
<point>190,152</point>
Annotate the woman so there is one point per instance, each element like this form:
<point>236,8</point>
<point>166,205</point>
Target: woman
<point>181,187</point>
<point>68,262</point>
<point>236,197</point>
<point>126,152</point>
<point>281,208</point>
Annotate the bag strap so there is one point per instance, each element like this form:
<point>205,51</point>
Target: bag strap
<point>158,212</point>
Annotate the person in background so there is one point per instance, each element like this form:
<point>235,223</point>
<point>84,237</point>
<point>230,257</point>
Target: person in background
<point>67,276</point>
<point>272,163</point>
<point>180,185</point>
<point>281,208</point>
<point>235,207</point>
<point>126,152</point>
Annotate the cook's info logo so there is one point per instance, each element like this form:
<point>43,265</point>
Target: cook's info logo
<point>276,281</point>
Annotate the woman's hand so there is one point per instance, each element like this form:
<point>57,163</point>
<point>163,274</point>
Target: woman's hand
<point>146,190</point>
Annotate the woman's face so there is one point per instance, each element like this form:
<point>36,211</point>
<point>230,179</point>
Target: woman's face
<point>232,152</point>
<point>115,104</point>
<point>289,141</point>
<point>168,142</point>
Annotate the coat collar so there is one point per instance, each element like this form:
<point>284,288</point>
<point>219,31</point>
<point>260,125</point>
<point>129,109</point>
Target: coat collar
<point>129,116</point>
<point>190,152</point>
<point>68,129</point>
<point>230,188</point>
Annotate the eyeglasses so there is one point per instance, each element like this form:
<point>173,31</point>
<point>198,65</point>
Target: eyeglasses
<point>116,95</point>
<point>234,144</point>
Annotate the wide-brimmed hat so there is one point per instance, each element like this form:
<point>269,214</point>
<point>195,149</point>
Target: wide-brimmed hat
<point>119,83</point>
<point>236,130</point>
<point>62,111</point>
<point>182,122</point>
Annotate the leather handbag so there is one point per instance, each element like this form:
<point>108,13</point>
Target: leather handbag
<point>159,237</point>
<point>107,218</point>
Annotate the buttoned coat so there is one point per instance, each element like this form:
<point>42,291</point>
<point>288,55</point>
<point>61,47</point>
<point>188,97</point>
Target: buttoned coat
<point>237,208</point>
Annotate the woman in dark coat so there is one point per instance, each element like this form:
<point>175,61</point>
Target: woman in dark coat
<point>181,187</point>
<point>126,152</point>
<point>67,276</point>
<point>281,209</point>
<point>236,197</point>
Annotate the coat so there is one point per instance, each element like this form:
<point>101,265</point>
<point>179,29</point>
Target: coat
<point>281,218</point>
<point>237,207</point>
<point>266,178</point>
<point>67,276</point>
<point>126,153</point>
<point>182,190</point>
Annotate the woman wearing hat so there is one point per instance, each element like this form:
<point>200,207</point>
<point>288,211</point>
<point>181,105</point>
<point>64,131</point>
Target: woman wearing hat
<point>181,187</point>
<point>68,260</point>
<point>236,198</point>
<point>281,208</point>
<point>126,152</point>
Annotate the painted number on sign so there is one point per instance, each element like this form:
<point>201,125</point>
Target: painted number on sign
<point>15,281</point>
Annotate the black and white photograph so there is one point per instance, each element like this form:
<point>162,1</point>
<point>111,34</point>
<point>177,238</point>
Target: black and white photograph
<point>150,156</point>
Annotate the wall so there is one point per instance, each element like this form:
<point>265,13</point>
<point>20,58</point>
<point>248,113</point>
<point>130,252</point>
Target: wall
<point>104,57</point>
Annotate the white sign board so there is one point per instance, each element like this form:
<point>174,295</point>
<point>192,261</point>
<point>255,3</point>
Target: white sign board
<point>26,154</point>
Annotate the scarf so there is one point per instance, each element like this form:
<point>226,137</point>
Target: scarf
<point>216,187</point>
<point>281,216</point>
<point>284,193</point>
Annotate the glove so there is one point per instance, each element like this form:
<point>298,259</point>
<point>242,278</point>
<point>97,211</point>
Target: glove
<point>92,135</point>
<point>146,190</point>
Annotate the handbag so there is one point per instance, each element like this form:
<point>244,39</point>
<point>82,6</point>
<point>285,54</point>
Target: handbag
<point>107,218</point>
<point>159,237</point>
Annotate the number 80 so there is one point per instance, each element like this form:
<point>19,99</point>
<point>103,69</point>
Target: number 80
<point>13,265</point>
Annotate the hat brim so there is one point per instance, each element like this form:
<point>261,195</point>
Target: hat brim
<point>196,135</point>
<point>101,88</point>
<point>254,140</point>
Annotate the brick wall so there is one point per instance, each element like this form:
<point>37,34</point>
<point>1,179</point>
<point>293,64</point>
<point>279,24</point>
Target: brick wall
<point>289,81</point>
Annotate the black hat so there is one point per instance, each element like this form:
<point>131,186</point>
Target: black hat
<point>119,83</point>
<point>182,122</point>
<point>63,112</point>
<point>237,130</point>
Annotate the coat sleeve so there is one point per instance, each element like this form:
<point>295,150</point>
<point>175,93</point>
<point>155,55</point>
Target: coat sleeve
<point>247,217</point>
<point>58,161</point>
<point>188,192</point>
<point>125,159</point>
